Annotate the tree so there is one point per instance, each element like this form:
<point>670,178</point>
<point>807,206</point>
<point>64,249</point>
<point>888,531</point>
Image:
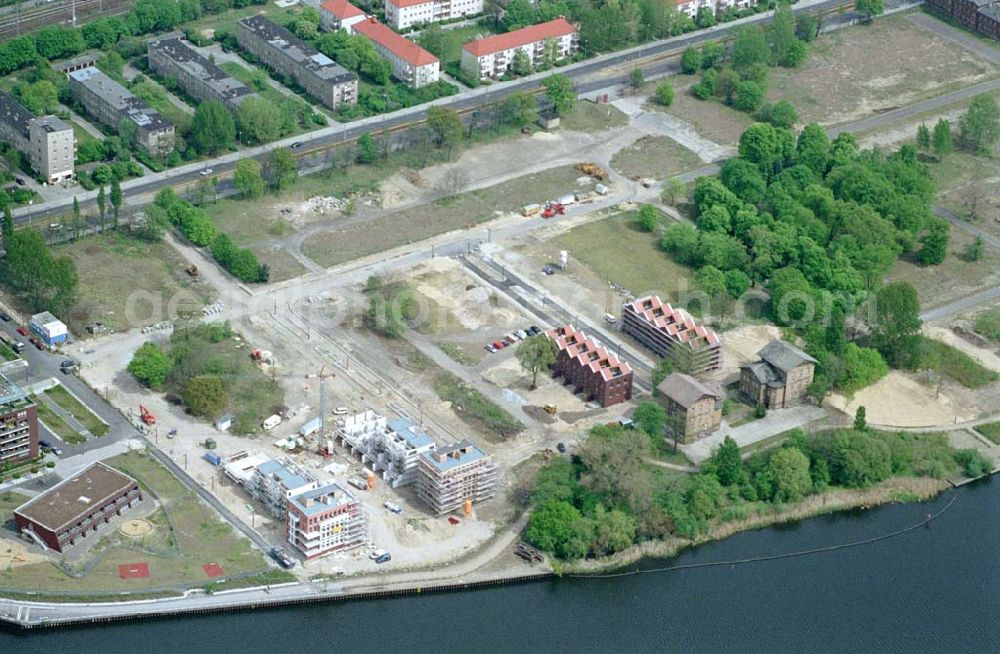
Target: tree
<point>860,419</point>
<point>636,78</point>
<point>896,329</point>
<point>726,462</point>
<point>705,17</point>
<point>664,94</point>
<point>212,128</point>
<point>613,531</point>
<point>979,126</point>
<point>779,114</point>
<point>150,366</point>
<point>788,469</point>
<point>749,48</point>
<point>446,125</point>
<point>205,396</point>
<point>41,97</point>
<point>712,55</point>
<point>813,148</point>
<point>942,141</point>
<point>935,243</point>
<point>8,222</point>
<point>792,297</point>
<point>673,189</point>
<point>648,218</point>
<point>552,526</point>
<point>737,283</point>
<point>691,60</point>
<point>870,8</point>
<point>41,281</point>
<point>661,371</point>
<point>835,338</point>
<point>247,178</point>
<point>279,170</point>
<point>781,37</point>
<point>101,204</point>
<point>923,138</point>
<point>521,64</point>
<point>749,96</point>
<point>117,200</point>
<point>974,250</point>
<point>367,149</point>
<point>559,90</point>
<point>260,120</point>
<point>859,460</point>
<point>519,110</point>
<point>651,418</point>
<point>862,366</point>
<point>534,354</point>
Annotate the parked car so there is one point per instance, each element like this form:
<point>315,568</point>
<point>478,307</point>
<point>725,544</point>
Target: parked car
<point>548,270</point>
<point>18,347</point>
<point>521,334</point>
<point>22,331</point>
<point>207,171</point>
<point>45,445</point>
<point>610,319</point>
<point>5,317</point>
<point>395,508</point>
<point>561,447</point>
<point>297,144</point>
<point>68,363</point>
<point>499,345</point>
<point>358,483</point>
<point>384,558</point>
<point>19,181</point>
<point>37,343</point>
<point>490,348</point>
<point>534,330</point>
<point>341,411</point>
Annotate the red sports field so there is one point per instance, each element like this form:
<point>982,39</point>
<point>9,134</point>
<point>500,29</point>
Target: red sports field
<point>133,571</point>
<point>212,569</point>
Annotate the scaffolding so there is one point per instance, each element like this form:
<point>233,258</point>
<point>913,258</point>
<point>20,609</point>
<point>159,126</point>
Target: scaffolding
<point>392,447</point>
<point>454,475</point>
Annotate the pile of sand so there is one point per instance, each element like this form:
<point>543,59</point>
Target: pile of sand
<point>741,345</point>
<point>899,400</point>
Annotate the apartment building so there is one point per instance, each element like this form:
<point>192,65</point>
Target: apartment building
<point>595,372</point>
<point>780,378</point>
<point>717,7</point>
<point>273,483</point>
<point>411,64</point>
<point>18,424</point>
<point>981,16</point>
<point>276,47</point>
<point>392,447</point>
<point>75,508</point>
<point>46,141</point>
<point>113,105</point>
<point>672,333</point>
<point>694,409</point>
<point>170,57</point>
<point>339,14</point>
<point>456,474</point>
<point>324,520</point>
<point>402,14</point>
<point>493,56</point>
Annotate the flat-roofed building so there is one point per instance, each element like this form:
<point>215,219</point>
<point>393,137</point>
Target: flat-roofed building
<point>411,64</point>
<point>75,508</point>
<point>320,76</point>
<point>339,14</point>
<point>673,334</point>
<point>588,366</point>
<point>274,482</point>
<point>46,141</point>
<point>324,520</point>
<point>392,447</point>
<point>115,106</point>
<point>402,14</point>
<point>455,474</point>
<point>50,329</point>
<point>200,78</point>
<point>493,56</point>
<point>18,424</point>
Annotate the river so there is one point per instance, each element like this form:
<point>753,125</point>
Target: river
<point>932,589</point>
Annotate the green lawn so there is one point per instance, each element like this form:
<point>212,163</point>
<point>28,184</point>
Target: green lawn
<point>7,354</point>
<point>990,430</point>
<point>590,117</point>
<point>959,366</point>
<point>157,97</point>
<point>82,135</point>
<point>58,425</point>
<point>85,416</point>
<point>475,410</point>
<point>657,157</point>
<point>453,39</point>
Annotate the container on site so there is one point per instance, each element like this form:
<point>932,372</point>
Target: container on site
<point>530,209</point>
<point>310,427</point>
<point>272,422</point>
<point>210,444</point>
<point>212,458</point>
<point>567,199</point>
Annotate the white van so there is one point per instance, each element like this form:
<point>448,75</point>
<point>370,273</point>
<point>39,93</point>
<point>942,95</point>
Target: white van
<point>610,319</point>
<point>272,422</point>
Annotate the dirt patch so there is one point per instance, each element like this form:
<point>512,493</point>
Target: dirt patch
<point>890,63</point>
<point>455,301</point>
<point>899,400</point>
<point>14,553</point>
<point>657,157</point>
<point>954,277</point>
<point>741,345</point>
<point>136,528</point>
<point>711,119</point>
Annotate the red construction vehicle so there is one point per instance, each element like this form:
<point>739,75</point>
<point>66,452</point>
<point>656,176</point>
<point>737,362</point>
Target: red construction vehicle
<point>147,416</point>
<point>553,209</point>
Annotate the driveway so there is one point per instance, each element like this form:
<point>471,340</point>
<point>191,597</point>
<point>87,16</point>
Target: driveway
<point>774,423</point>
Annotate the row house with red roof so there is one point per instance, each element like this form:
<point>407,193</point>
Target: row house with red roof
<point>402,14</point>
<point>672,333</point>
<point>411,64</point>
<point>493,56</point>
<point>587,365</point>
<point>339,14</point>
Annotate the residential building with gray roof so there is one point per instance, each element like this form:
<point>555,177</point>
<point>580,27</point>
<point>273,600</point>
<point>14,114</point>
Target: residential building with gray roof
<point>170,57</point>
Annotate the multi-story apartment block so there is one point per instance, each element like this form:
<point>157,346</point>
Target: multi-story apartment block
<point>493,56</point>
<point>392,447</point>
<point>47,142</point>
<point>18,424</point>
<point>453,475</point>
<point>672,333</point>
<point>411,64</point>
<point>273,483</point>
<point>694,409</point>
<point>781,378</point>
<point>170,57</point>
<point>114,105</point>
<point>402,14</point>
<point>595,372</point>
<point>339,14</point>
<point>324,520</point>
<point>320,76</point>
<point>76,507</point>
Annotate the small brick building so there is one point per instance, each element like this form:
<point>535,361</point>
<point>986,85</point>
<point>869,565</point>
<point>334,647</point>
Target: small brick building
<point>694,409</point>
<point>781,378</point>
<point>18,424</point>
<point>595,372</point>
<point>76,507</point>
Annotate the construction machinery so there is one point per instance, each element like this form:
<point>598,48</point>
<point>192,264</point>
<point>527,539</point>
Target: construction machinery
<point>263,358</point>
<point>553,209</point>
<point>323,376</point>
<point>146,416</point>
<point>192,270</point>
<point>550,409</point>
<point>592,170</point>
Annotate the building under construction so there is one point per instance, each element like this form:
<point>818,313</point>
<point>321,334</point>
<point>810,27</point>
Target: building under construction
<point>673,334</point>
<point>452,476</point>
<point>324,520</point>
<point>392,447</point>
<point>274,483</point>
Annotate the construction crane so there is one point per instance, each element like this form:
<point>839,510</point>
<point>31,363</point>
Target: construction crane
<point>323,376</point>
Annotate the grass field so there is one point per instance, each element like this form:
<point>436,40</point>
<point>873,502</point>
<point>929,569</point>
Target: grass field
<point>454,39</point>
<point>82,136</point>
<point>155,282</point>
<point>258,230</point>
<point>227,19</point>
<point>58,425</point>
<point>591,117</point>
<point>418,223</point>
<point>960,366</point>
<point>456,352</point>
<point>7,354</point>
<point>627,256</point>
<point>658,157</point>
<point>711,119</point>
<point>889,63</point>
<point>990,430</point>
<point>190,535</point>
<point>85,416</point>
<point>954,277</point>
<point>157,97</point>
<point>475,409</point>
<point>9,501</point>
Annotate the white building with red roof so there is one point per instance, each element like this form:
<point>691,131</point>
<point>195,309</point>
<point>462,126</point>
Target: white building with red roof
<point>493,56</point>
<point>339,14</point>
<point>411,64</point>
<point>402,14</point>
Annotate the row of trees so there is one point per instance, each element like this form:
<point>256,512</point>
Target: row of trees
<point>37,278</point>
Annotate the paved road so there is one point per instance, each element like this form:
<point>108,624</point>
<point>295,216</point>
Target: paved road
<point>966,226</point>
<point>955,35</point>
<point>961,305</point>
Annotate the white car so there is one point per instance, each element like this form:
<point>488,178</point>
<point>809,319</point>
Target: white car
<point>207,171</point>
<point>341,411</point>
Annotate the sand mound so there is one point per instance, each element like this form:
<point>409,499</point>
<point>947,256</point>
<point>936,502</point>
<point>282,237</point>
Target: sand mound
<point>136,528</point>
<point>898,400</point>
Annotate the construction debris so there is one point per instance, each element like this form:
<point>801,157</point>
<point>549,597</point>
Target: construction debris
<point>592,170</point>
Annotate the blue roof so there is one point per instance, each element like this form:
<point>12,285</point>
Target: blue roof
<point>413,435</point>
<point>452,455</point>
<point>300,500</point>
<point>288,478</point>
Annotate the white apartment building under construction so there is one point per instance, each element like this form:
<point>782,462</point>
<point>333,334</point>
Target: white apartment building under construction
<point>324,520</point>
<point>392,447</point>
<point>453,475</point>
<point>274,483</point>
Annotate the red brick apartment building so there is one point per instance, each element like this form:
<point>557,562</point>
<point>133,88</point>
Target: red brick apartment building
<point>580,361</point>
<point>76,507</point>
<point>18,425</point>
